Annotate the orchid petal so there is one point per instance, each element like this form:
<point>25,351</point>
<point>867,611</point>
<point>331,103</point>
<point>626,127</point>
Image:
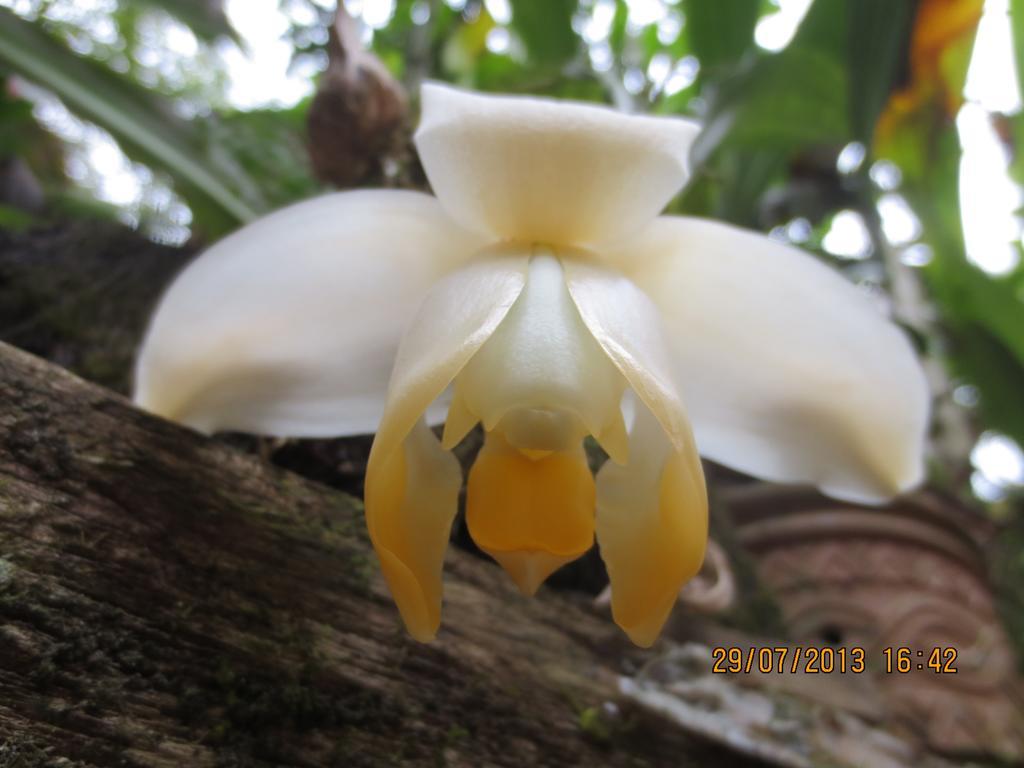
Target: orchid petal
<point>651,511</point>
<point>627,326</point>
<point>290,325</point>
<point>541,378</point>
<point>540,170</point>
<point>539,385</point>
<point>532,515</point>
<point>652,527</point>
<point>408,511</point>
<point>789,371</point>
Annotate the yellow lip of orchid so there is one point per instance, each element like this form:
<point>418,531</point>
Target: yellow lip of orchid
<point>534,295</point>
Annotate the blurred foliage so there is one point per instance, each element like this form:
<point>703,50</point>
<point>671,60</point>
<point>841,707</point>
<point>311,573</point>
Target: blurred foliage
<point>886,74</point>
<point>145,126</point>
<point>229,165</point>
<point>982,314</point>
<point>546,31</point>
<point>206,18</point>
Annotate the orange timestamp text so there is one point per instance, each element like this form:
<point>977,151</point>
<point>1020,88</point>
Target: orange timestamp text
<point>828,659</point>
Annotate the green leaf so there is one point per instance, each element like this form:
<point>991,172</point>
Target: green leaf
<point>649,42</point>
<point>1017,24</point>
<point>617,34</point>
<point>206,18</point>
<point>15,122</point>
<point>270,145</point>
<point>750,173</point>
<point>499,74</point>
<point>23,136</point>
<point>221,194</point>
<point>1015,127</point>
<point>879,31</point>
<point>993,303</point>
<point>463,49</point>
<point>965,293</point>
<point>720,32</point>
<point>824,28</point>
<point>868,38</point>
<point>15,219</point>
<point>980,358</point>
<point>981,312</point>
<point>785,101</point>
<point>546,30</point>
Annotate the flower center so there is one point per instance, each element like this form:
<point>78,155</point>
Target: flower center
<point>539,385</point>
<point>541,379</point>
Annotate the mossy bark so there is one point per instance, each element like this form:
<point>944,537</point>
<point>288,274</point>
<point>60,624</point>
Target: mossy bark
<point>166,600</point>
<point>79,294</point>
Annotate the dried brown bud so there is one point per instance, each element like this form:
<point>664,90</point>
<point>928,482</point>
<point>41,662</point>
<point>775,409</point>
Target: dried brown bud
<point>358,116</point>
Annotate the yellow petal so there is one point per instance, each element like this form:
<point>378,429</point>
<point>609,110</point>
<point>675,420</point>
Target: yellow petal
<point>542,170</point>
<point>532,515</point>
<point>410,505</point>
<point>412,484</point>
<point>652,527</point>
<point>652,511</point>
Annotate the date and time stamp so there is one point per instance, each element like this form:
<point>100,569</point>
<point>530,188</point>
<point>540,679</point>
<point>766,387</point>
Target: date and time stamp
<point>826,659</point>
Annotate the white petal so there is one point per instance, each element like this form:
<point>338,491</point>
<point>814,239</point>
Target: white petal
<point>457,316</point>
<point>290,325</point>
<point>627,326</point>
<point>789,372</point>
<point>542,170</point>
<point>411,483</point>
<point>542,375</point>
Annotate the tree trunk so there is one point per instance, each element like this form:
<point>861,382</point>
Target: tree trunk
<point>167,600</point>
<point>79,294</point>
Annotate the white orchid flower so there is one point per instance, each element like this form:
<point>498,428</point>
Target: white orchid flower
<point>538,287</point>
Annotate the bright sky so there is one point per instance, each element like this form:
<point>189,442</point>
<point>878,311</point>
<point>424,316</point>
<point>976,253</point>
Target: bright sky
<point>262,76</point>
<point>999,465</point>
<point>988,198</point>
<point>775,30</point>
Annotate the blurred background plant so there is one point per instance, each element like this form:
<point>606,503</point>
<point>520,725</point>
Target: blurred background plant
<point>884,136</point>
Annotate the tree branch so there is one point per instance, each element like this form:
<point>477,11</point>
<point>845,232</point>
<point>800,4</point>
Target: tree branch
<point>166,600</point>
